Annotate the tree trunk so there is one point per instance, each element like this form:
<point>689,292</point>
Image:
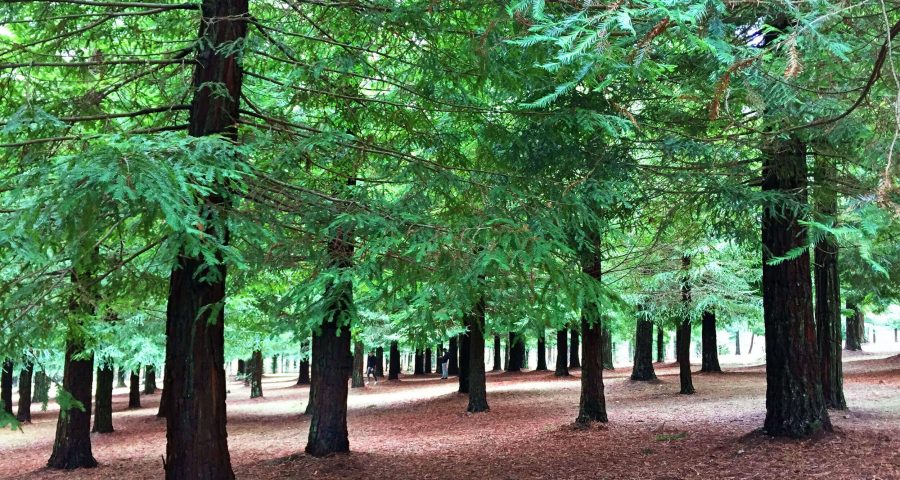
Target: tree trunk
<point>541,354</point>
<point>660,344</point>
<point>358,380</point>
<point>855,328</point>
<point>498,354</point>
<point>24,412</point>
<point>477,385</point>
<point>606,352</point>
<point>379,362</point>
<point>303,365</point>
<point>752,337</point>
<point>643,351</point>
<point>453,366</point>
<point>256,371</point>
<point>683,335</point>
<point>465,356</point>
<point>794,403</point>
<point>41,389</point>
<point>120,378</point>
<point>592,405</point>
<point>332,359</point>
<point>274,364</point>
<point>103,397</point>
<point>72,446</point>
<point>516,348</point>
<point>134,391</point>
<point>573,351</point>
<point>562,353</point>
<point>6,384</point>
<point>394,362</point>
<point>828,293</point>
<point>164,400</point>
<point>419,363</point>
<point>242,368</point>
<point>710,346</point>
<point>737,343</point>
<point>149,380</point>
<point>427,360</point>
<point>197,440</point>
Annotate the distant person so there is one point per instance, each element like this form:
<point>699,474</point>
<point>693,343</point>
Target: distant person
<point>445,364</point>
<point>370,367</point>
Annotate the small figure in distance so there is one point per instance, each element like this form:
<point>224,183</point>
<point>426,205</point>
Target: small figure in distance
<point>370,367</point>
<point>445,364</point>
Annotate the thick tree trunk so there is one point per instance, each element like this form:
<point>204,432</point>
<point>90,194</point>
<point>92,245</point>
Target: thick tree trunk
<point>606,352</point>
<point>303,374</point>
<point>562,352</point>
<point>120,378</point>
<point>541,354</point>
<point>516,352</point>
<point>427,360</point>
<point>24,412</point>
<point>394,362</point>
<point>256,371</point>
<point>358,380</point>
<point>242,368</point>
<point>41,389</point>
<point>476,380</point>
<point>149,380</point>
<point>332,359</point>
<point>498,354</point>
<point>197,440</point>
<point>710,347</point>
<point>573,351</point>
<point>419,363</point>
<point>6,384</point>
<point>660,344</point>
<point>683,335</point>
<point>103,399</point>
<point>134,391</point>
<point>72,446</point>
<point>453,366</point>
<point>379,362</point>
<point>855,328</point>
<point>464,359</point>
<point>828,293</point>
<point>794,403</point>
<point>643,351</point>
<point>592,405</point>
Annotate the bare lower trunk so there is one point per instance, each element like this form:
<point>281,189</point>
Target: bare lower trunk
<point>256,370</point>
<point>149,380</point>
<point>394,362</point>
<point>795,406</point>
<point>419,363</point>
<point>453,366</point>
<point>24,412</point>
<point>379,362</point>
<point>464,359</point>
<point>134,390</point>
<point>606,353</point>
<point>660,344</point>
<point>709,347</point>
<point>72,446</point>
<point>683,336</point>
<point>103,400</point>
<point>562,351</point>
<point>643,351</point>
<point>573,350</point>
<point>541,354</point>
<point>6,384</point>
<point>498,354</point>
<point>855,327</point>
<point>476,380</point>
<point>357,379</point>
<point>592,405</point>
<point>516,352</point>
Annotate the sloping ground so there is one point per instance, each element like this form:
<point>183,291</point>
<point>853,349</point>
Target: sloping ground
<point>417,429</point>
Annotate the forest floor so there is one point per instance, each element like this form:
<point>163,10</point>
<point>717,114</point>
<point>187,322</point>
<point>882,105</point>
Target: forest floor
<point>418,428</point>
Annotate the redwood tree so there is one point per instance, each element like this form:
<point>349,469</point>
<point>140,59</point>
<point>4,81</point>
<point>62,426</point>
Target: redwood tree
<point>103,399</point>
<point>562,352</point>
<point>516,348</point>
<point>197,440</point>
<point>710,346</point>
<point>256,370</point>
<point>134,390</point>
<point>6,382</point>
<point>683,334</point>
<point>541,354</point>
<point>573,350</point>
<point>498,354</point>
<point>358,380</point>
<point>394,362</point>
<point>24,412</point>
<point>795,406</point>
<point>592,405</point>
<point>464,359</point>
<point>477,385</point>
<point>643,351</point>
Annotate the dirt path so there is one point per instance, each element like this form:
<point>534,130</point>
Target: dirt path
<point>417,429</point>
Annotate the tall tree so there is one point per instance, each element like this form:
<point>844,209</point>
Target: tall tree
<point>6,384</point>
<point>709,345</point>
<point>477,386</point>
<point>573,350</point>
<point>24,412</point>
<point>795,406</point>
<point>103,398</point>
<point>592,405</point>
<point>498,354</point>
<point>516,348</point>
<point>541,353</point>
<point>394,362</point>
<point>683,333</point>
<point>562,351</point>
<point>358,379</point>
<point>256,374</point>
<point>643,350</point>
<point>197,441</point>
